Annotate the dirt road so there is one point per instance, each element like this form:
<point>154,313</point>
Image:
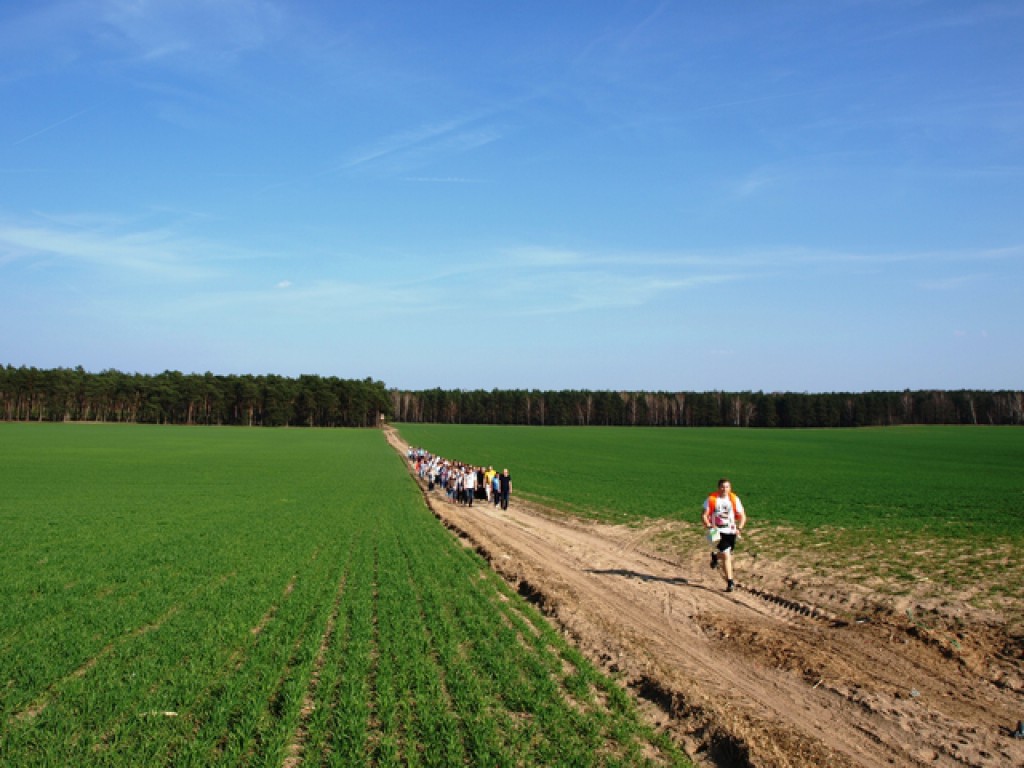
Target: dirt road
<point>769,675</point>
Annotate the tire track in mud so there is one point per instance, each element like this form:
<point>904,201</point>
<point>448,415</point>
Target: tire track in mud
<point>693,719</point>
<point>776,600</point>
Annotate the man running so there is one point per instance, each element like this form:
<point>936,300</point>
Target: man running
<point>724,511</point>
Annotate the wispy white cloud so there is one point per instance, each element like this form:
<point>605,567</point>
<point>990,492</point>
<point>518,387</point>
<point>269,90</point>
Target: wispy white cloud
<point>326,300</point>
<point>953,283</point>
<point>753,183</point>
<point>796,257</point>
<point>166,50</point>
<point>545,280</point>
<point>399,152</point>
<point>442,180</point>
<point>606,291</point>
<point>156,253</point>
<point>399,141</point>
<point>50,127</point>
<point>968,15</point>
<point>421,144</point>
<point>962,334</point>
<point>538,256</point>
<point>191,33</point>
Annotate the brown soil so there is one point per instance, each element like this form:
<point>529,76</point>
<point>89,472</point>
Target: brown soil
<point>785,671</point>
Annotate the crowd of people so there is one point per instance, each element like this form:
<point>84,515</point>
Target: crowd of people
<point>461,483</point>
<point>723,514</point>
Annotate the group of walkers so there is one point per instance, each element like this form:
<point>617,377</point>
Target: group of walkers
<point>462,483</point>
<point>723,514</point>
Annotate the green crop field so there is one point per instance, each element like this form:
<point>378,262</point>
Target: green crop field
<point>897,505</point>
<point>205,596</point>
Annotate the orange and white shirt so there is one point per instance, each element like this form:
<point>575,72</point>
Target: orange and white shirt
<point>723,511</point>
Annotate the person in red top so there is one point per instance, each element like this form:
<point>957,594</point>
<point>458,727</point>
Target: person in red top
<point>723,511</point>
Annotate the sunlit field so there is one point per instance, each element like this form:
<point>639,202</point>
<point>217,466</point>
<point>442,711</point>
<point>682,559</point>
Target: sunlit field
<point>206,596</point>
<point>901,503</point>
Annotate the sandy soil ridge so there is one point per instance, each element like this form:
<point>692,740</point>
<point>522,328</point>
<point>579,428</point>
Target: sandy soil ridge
<point>768,675</point>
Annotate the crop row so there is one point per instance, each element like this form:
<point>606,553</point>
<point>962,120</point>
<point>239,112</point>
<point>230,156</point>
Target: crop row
<point>269,598</point>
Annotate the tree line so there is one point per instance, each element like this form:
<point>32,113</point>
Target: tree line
<point>72,394</point>
<point>707,409</point>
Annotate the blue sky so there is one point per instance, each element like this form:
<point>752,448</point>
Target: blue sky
<point>778,196</point>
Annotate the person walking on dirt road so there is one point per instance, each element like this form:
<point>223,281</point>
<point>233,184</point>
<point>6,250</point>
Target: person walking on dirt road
<point>723,512</point>
<point>505,488</point>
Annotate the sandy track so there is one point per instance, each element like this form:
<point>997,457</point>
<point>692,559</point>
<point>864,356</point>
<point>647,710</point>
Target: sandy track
<point>759,677</point>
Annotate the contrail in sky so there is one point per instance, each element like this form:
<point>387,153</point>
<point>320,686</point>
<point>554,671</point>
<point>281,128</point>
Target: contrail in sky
<point>51,127</point>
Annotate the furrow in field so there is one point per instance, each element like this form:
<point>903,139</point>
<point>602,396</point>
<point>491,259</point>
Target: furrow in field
<point>297,744</point>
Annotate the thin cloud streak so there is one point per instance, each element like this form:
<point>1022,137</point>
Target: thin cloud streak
<point>606,292</point>
<point>413,148</point>
<point>399,142</point>
<point>442,180</point>
<point>954,283</point>
<point>326,300</point>
<point>193,33</point>
<point>52,126</point>
<point>418,144</point>
<point>156,253</point>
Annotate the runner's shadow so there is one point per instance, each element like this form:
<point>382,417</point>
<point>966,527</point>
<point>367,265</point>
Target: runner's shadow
<point>635,575</point>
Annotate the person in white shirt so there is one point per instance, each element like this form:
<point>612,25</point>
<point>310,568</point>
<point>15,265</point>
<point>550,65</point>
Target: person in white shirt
<point>723,512</point>
<point>469,484</point>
